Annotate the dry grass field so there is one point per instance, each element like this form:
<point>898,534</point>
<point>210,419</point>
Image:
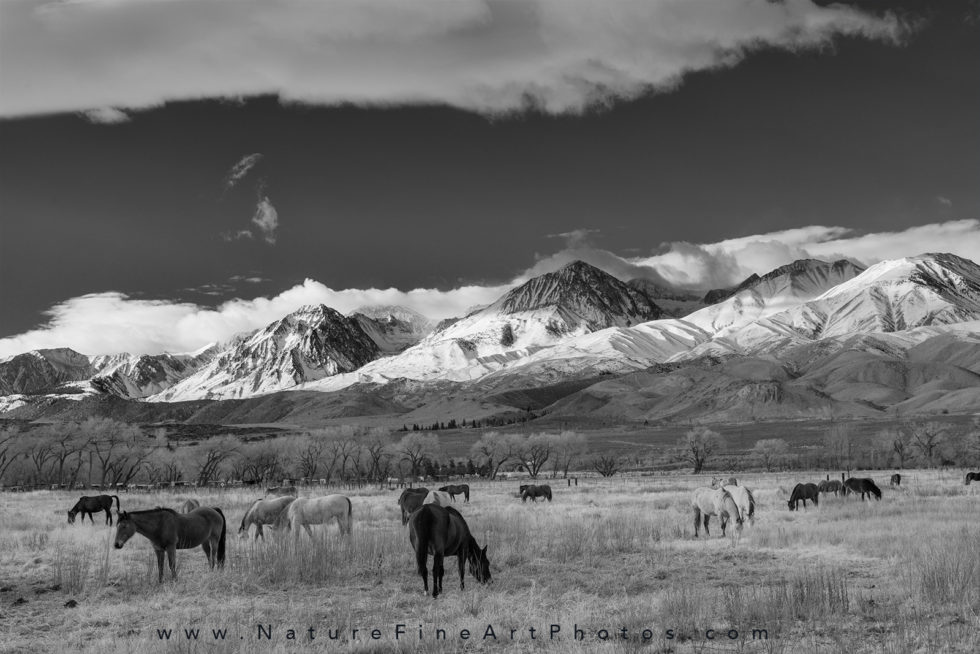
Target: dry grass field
<point>900,575</point>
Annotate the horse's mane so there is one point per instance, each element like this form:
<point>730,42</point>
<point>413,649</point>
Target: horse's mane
<point>726,495</point>
<point>159,508</point>
<point>249,511</point>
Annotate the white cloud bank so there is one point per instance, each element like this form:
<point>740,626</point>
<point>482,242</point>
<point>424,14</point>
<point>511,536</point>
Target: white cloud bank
<point>104,323</point>
<point>489,56</point>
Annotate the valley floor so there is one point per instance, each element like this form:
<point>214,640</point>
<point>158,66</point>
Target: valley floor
<point>900,575</point>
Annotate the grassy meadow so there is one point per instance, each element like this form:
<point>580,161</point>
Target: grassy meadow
<point>900,575</point>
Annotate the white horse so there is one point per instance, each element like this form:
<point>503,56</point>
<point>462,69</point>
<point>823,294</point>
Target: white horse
<point>707,502</point>
<point>189,505</point>
<point>263,512</point>
<point>743,497</point>
<point>439,498</point>
<point>308,511</point>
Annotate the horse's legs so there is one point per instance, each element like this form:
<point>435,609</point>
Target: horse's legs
<point>90,518</point>
<point>461,560</point>
<point>206,546</point>
<point>108,517</point>
<point>160,563</point>
<point>425,574</point>
<point>438,570</point>
<point>706,518</point>
<point>258,531</point>
<point>697,521</point>
<point>308,530</point>
<point>172,560</point>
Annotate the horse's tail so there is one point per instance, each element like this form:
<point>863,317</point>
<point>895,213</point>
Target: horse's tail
<point>350,515</point>
<point>117,503</point>
<point>423,533</point>
<point>221,540</point>
<point>751,503</point>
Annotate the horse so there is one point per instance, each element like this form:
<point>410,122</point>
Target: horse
<point>971,476</point>
<point>862,485</point>
<point>441,532</point>
<point>896,480</point>
<point>744,500</point>
<point>189,505</point>
<point>718,482</point>
<point>829,486</point>
<point>306,511</point>
<point>410,500</point>
<point>89,505</point>
<point>461,489</point>
<point>803,492</point>
<point>707,502</point>
<point>263,512</point>
<point>534,492</point>
<point>169,531</point>
<point>280,491</point>
<point>438,497</point>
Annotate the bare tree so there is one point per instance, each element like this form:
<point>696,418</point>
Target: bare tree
<point>698,445</point>
<point>417,447</point>
<point>377,446</point>
<point>770,450</point>
<point>535,451</point>
<point>211,455</point>
<point>494,449</point>
<point>839,446</point>
<point>606,465</point>
<point>927,439</point>
<point>9,449</point>
<point>569,447</point>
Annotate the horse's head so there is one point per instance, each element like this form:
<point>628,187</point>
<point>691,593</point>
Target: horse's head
<point>480,565</point>
<point>71,515</point>
<point>792,506</point>
<point>716,482</point>
<point>125,528</point>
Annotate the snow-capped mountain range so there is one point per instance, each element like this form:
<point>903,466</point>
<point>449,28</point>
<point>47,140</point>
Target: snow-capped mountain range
<point>575,323</point>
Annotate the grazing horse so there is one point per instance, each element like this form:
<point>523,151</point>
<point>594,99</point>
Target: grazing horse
<point>896,480</point>
<point>862,485</point>
<point>829,486</point>
<point>279,491</point>
<point>263,512</point>
<point>89,505</point>
<point>460,489</point>
<point>744,500</point>
<point>971,476</point>
<point>707,502</point>
<point>534,492</point>
<point>410,500</point>
<point>441,532</point>
<point>307,511</point>
<point>169,531</point>
<point>438,497</point>
<point>718,482</point>
<point>189,505</point>
<point>803,492</point>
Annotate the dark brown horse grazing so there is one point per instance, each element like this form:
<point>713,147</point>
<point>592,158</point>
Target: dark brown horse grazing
<point>972,476</point>
<point>441,532</point>
<point>410,500</point>
<point>89,505</point>
<point>169,531</point>
<point>896,480</point>
<point>803,492</point>
<point>534,492</point>
<point>459,489</point>
<point>862,485</point>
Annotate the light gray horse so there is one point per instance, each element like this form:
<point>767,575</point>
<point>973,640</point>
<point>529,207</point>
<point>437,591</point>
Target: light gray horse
<point>307,511</point>
<point>189,505</point>
<point>439,498</point>
<point>707,502</point>
<point>263,512</point>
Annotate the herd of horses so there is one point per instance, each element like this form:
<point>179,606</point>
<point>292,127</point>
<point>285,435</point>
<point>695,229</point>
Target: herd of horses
<point>435,527</point>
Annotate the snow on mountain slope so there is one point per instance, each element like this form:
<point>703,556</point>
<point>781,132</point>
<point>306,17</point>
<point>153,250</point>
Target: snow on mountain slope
<point>781,289</point>
<point>311,343</point>
<point>892,296</point>
<point>42,370</point>
<point>577,299</point>
<point>139,377</point>
<point>393,328</point>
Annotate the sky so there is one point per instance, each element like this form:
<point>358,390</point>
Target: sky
<point>175,172</point>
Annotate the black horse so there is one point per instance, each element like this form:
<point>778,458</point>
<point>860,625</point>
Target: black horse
<point>803,492</point>
<point>410,500</point>
<point>441,532</point>
<point>459,489</point>
<point>862,485</point>
<point>972,476</point>
<point>534,492</point>
<point>896,480</point>
<point>89,505</point>
<point>169,531</point>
